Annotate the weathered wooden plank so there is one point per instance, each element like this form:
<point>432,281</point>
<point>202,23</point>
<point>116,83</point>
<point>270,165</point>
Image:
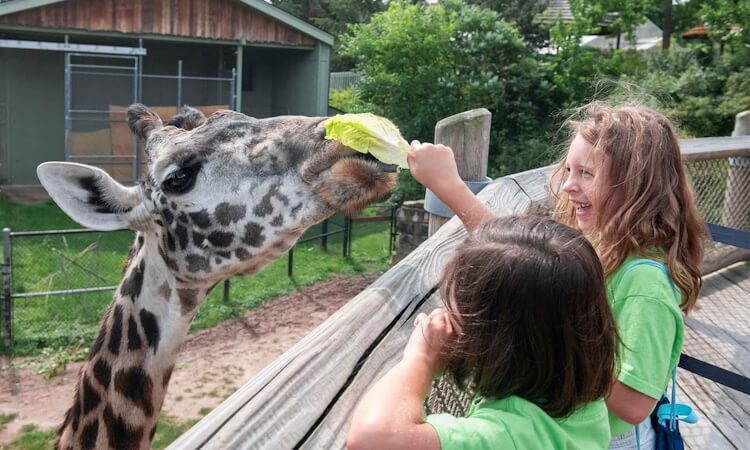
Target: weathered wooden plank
<point>293,400</point>
<point>704,434</point>
<point>714,147</point>
<point>211,19</point>
<point>739,275</point>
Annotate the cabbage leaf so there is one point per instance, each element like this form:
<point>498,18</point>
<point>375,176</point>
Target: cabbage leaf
<point>368,133</point>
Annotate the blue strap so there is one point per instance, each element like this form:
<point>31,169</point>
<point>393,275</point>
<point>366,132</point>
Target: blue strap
<point>667,414</point>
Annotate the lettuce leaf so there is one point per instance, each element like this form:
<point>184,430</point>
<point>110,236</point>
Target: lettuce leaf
<point>368,133</point>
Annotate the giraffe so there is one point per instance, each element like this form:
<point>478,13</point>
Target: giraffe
<point>222,196</point>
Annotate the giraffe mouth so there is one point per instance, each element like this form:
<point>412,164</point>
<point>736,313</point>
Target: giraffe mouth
<point>387,168</point>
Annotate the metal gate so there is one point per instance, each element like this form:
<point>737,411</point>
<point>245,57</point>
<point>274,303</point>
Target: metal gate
<point>98,90</point>
<point>100,87</point>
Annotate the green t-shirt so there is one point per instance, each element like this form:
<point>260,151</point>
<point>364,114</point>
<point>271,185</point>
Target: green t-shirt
<point>515,423</point>
<point>650,323</point>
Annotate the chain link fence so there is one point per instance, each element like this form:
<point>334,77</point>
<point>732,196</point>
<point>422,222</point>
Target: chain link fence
<point>57,284</point>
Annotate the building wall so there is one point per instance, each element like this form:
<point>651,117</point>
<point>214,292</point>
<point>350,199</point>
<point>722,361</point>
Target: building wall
<point>33,85</point>
<point>210,19</point>
<point>301,82</point>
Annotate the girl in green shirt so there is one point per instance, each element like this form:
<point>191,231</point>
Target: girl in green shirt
<point>622,183</point>
<point>526,321</point>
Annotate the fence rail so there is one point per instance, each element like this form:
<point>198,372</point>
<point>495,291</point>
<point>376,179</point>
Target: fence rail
<point>84,268</point>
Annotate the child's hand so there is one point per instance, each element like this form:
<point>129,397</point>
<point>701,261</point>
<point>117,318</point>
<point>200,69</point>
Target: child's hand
<point>430,335</point>
<point>434,166</point>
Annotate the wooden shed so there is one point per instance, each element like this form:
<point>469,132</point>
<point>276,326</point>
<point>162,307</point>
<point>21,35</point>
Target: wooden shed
<point>69,68</point>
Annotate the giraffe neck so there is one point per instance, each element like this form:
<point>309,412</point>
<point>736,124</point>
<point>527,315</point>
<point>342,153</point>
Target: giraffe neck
<point>121,388</point>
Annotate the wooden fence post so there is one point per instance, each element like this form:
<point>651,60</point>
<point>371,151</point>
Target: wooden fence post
<point>737,197</point>
<point>468,134</point>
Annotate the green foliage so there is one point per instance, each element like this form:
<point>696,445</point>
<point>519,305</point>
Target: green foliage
<point>5,419</point>
<point>54,362</point>
<point>623,17</point>
<point>168,429</point>
<point>32,438</point>
<point>421,63</point>
<point>348,101</point>
<point>727,21</point>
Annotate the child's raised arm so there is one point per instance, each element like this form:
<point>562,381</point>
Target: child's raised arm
<point>390,415</point>
<point>434,166</point>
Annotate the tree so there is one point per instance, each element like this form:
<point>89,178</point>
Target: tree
<point>421,63</point>
<point>622,17</point>
<point>524,15</point>
<point>334,17</point>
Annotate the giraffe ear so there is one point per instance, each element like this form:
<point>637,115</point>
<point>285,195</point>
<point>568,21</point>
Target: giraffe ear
<point>142,120</point>
<point>90,196</point>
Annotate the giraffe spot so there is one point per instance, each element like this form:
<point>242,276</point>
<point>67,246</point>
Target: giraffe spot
<point>182,235</point>
<point>134,339</point>
<point>115,335</point>
<point>165,291</point>
<point>197,262</point>
<point>253,235</point>
<point>188,299</point>
<point>140,239</point>
<point>278,221</point>
<point>132,285</point>
<point>217,261</point>
<point>166,377</point>
<point>168,216</point>
<point>198,238</point>
<point>150,329</point>
<point>74,413</point>
<point>162,199</point>
<point>226,213</point>
<point>89,434</point>
<point>102,373</point>
<point>225,255</point>
<point>159,222</point>
<point>99,341</point>
<point>295,210</point>
<point>91,398</point>
<point>220,239</point>
<point>182,217</point>
<point>264,207</point>
<point>120,435</point>
<point>242,254</point>
<point>135,385</point>
<point>201,218</point>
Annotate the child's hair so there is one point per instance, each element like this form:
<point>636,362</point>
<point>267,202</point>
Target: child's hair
<point>648,202</point>
<point>528,301</point>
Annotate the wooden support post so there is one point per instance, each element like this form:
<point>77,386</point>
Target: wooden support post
<point>468,134</point>
<point>737,197</point>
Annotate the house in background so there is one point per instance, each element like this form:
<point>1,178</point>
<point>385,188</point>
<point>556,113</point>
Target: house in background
<point>70,68</point>
<point>646,35</point>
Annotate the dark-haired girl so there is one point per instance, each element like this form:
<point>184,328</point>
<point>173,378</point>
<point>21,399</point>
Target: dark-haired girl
<point>526,322</point>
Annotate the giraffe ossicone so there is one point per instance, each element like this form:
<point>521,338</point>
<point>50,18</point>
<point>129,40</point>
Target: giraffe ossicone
<point>222,196</point>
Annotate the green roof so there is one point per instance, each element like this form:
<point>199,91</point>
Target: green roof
<point>12,6</point>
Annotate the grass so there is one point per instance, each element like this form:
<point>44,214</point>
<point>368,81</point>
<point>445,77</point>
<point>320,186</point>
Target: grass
<point>32,438</point>
<point>5,419</point>
<point>47,263</point>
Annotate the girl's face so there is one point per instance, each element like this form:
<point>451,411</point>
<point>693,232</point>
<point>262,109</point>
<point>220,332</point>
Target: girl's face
<point>582,166</point>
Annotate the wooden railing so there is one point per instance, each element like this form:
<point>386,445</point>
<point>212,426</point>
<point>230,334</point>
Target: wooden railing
<point>304,398</point>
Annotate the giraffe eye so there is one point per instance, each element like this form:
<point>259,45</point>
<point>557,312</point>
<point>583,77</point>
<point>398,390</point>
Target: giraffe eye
<point>181,180</point>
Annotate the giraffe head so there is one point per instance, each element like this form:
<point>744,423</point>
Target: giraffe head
<point>225,195</point>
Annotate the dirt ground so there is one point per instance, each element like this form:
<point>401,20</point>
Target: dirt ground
<point>213,363</point>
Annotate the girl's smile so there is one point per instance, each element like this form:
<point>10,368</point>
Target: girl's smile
<point>581,166</point>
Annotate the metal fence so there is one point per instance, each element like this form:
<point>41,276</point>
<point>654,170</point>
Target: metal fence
<point>58,283</point>
<point>343,80</point>
<point>100,87</point>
